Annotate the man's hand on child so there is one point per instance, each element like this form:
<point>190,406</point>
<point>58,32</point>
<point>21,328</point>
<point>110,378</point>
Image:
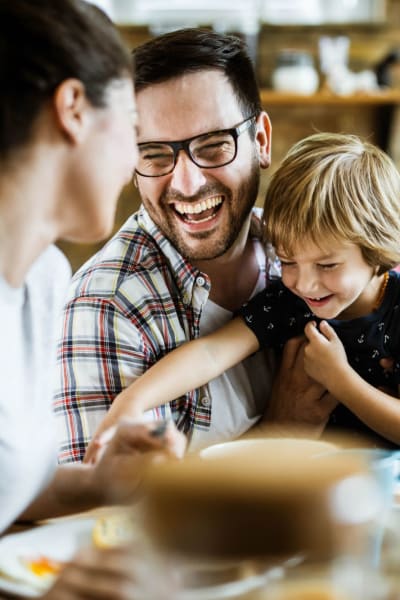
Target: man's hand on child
<point>299,405</point>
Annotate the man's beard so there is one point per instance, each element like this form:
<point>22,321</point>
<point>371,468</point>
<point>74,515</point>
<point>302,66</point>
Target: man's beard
<point>243,203</point>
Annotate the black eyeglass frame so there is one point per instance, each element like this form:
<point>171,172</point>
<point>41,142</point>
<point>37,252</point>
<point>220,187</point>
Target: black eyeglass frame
<point>235,132</point>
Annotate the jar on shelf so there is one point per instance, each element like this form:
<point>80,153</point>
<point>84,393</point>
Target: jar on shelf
<point>295,72</point>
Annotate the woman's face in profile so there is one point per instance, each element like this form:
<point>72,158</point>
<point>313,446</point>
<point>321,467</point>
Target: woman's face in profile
<point>105,162</point>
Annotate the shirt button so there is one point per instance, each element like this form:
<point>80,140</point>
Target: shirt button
<point>200,281</point>
<point>205,401</point>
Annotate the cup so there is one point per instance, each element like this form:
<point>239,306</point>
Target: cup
<point>383,466</point>
<point>252,507</point>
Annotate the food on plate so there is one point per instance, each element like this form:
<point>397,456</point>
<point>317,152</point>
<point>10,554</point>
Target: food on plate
<point>42,566</point>
<point>32,565</point>
<point>29,567</point>
<point>115,529</point>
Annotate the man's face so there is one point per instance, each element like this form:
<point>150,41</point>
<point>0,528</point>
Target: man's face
<point>200,210</point>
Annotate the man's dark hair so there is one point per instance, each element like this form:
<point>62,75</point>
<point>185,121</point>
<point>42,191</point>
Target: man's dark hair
<point>192,50</point>
<point>44,42</point>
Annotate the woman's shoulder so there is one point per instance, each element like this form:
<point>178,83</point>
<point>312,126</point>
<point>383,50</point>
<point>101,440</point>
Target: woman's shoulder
<point>48,279</point>
<point>52,264</point>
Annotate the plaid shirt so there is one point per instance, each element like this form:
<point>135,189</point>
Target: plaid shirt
<point>128,306</point>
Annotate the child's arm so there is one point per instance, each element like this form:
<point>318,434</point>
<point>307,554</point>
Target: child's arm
<point>191,365</point>
<point>325,360</point>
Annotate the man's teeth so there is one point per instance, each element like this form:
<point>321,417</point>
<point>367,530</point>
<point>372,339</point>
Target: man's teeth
<point>195,209</point>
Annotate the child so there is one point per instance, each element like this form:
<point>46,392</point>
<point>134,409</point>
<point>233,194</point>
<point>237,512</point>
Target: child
<point>332,212</point>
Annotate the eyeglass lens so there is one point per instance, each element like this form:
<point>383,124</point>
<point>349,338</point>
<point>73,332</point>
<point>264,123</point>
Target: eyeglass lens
<point>211,150</point>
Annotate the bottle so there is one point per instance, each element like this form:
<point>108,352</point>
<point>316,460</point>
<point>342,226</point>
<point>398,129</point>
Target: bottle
<point>295,72</point>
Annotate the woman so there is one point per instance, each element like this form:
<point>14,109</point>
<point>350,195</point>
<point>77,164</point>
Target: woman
<point>67,146</point>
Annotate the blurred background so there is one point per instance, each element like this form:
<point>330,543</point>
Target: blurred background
<point>322,65</point>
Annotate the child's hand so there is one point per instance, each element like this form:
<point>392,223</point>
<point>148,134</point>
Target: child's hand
<point>324,355</point>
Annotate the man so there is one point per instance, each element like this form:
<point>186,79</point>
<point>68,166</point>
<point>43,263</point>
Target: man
<point>188,259</point>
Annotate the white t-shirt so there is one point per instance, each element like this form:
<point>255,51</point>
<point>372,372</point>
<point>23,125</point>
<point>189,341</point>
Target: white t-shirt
<point>240,394</point>
<point>29,327</point>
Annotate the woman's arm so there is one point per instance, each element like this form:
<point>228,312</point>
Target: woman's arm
<point>325,360</point>
<point>191,365</point>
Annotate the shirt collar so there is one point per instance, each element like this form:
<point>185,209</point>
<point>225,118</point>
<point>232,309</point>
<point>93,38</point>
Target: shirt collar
<point>186,272</point>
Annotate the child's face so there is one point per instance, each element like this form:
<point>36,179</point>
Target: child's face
<point>334,281</point>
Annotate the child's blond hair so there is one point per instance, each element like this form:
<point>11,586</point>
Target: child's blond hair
<point>336,186</point>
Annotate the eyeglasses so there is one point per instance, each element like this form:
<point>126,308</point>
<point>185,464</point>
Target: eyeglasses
<point>208,151</point>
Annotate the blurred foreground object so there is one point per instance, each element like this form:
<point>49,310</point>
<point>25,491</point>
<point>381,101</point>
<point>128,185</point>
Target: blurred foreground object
<point>264,510</point>
<point>253,504</point>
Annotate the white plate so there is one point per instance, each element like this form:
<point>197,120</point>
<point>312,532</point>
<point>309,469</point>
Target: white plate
<point>58,541</point>
<point>268,446</point>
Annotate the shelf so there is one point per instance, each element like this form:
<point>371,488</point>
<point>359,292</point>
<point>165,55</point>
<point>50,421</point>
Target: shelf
<point>273,98</point>
<point>306,28</point>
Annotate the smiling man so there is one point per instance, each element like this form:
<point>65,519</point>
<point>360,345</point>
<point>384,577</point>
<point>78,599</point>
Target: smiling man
<point>189,258</point>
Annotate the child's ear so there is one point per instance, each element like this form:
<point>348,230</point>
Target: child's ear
<point>263,139</point>
<point>70,105</point>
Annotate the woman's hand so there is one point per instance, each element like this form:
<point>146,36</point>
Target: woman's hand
<point>123,452</point>
<point>108,574</point>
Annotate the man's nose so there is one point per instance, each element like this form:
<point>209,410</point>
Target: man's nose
<point>186,177</point>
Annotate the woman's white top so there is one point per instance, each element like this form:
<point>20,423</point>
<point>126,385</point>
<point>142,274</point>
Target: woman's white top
<point>29,327</point>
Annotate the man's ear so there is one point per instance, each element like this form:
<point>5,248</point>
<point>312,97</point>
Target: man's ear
<point>263,139</point>
<point>70,105</point>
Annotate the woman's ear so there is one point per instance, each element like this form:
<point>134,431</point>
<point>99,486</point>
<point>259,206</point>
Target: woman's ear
<point>263,139</point>
<point>70,105</point>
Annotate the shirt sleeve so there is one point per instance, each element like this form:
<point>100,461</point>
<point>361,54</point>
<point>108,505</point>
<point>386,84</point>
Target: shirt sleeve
<point>102,350</point>
<point>275,315</point>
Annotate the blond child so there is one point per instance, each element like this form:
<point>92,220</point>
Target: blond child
<point>332,213</point>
